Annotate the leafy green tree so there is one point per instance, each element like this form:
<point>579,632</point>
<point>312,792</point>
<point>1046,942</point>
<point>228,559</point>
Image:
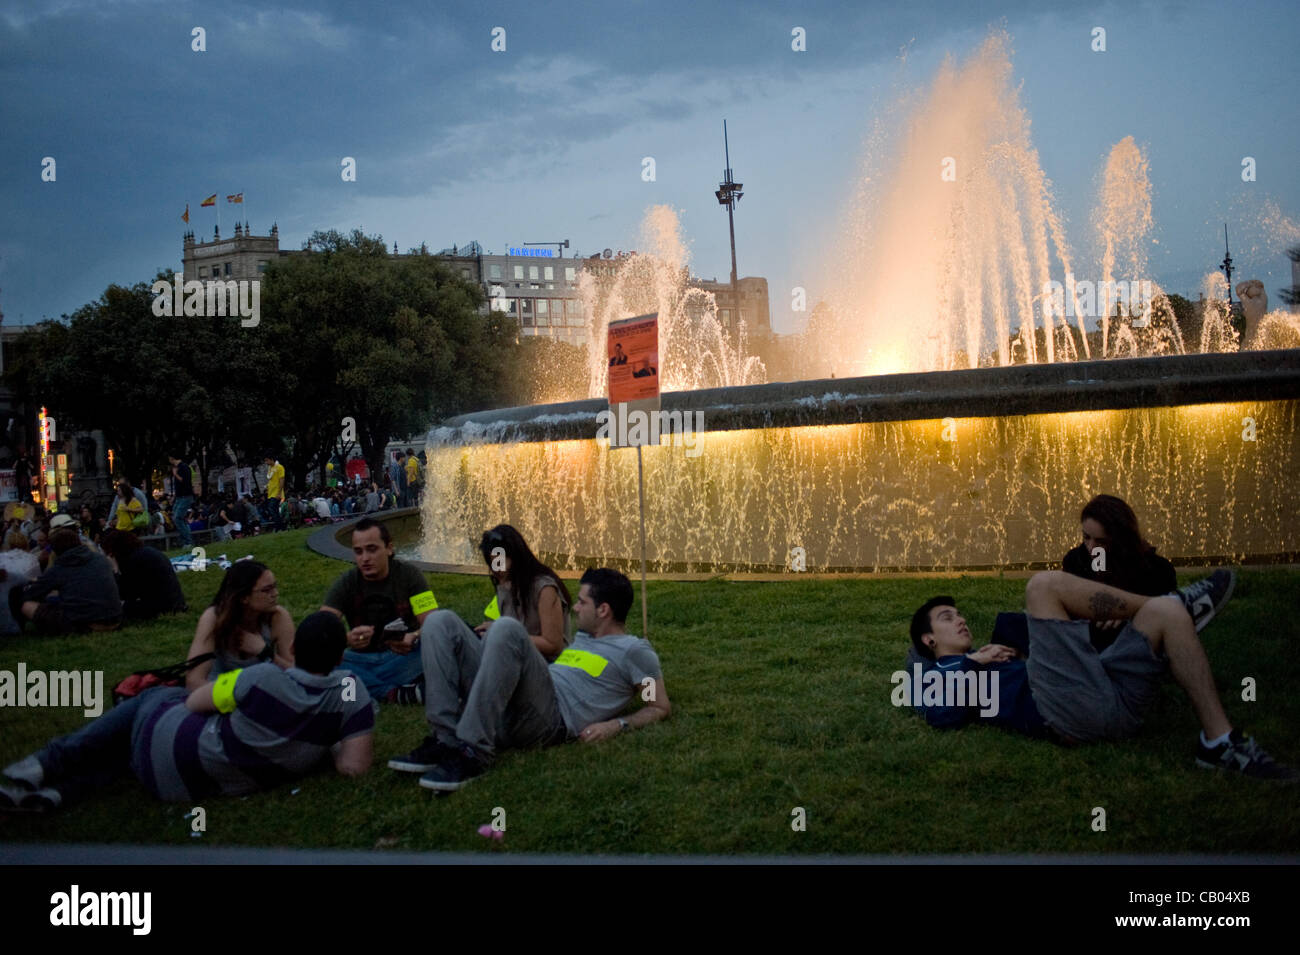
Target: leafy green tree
<point>153,384</point>
<point>392,343</point>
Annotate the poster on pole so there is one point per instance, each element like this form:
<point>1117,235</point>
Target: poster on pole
<point>632,349</point>
<point>8,486</point>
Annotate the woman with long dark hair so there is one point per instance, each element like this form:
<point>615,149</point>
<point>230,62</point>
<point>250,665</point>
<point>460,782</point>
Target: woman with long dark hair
<point>527,589</point>
<point>244,625</point>
<point>1114,552</point>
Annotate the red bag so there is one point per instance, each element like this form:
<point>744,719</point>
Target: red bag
<point>142,680</point>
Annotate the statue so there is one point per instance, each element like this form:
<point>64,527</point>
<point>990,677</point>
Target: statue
<point>88,448</point>
<point>1264,330</point>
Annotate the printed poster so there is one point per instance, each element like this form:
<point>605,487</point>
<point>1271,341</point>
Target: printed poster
<point>633,353</point>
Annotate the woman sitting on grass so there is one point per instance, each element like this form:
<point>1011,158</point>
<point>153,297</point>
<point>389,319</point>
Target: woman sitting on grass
<point>1115,553</point>
<point>244,625</point>
<point>527,590</point>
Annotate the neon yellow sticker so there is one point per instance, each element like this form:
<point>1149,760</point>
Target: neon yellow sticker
<point>422,602</point>
<point>223,691</point>
<point>590,662</point>
<point>492,611</point>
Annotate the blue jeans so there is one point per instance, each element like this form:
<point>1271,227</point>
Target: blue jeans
<point>102,750</point>
<point>385,670</point>
<point>179,508</point>
<point>271,513</point>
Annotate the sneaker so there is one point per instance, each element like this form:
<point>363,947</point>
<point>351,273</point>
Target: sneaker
<point>20,799</point>
<point>456,772</point>
<point>1207,596</point>
<point>42,800</point>
<point>27,772</point>
<point>1241,754</point>
<point>410,694</point>
<point>424,757</point>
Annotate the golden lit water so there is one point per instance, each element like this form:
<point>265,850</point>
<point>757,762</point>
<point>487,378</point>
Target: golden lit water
<point>896,495</point>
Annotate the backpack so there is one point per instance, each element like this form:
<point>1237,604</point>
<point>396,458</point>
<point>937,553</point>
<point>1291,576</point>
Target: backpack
<point>142,680</point>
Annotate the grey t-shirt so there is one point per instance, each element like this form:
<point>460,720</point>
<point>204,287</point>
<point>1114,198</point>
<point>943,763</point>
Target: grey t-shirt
<point>595,677</point>
<point>532,620</point>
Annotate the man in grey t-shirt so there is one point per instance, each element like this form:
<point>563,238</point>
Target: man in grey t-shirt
<point>513,699</point>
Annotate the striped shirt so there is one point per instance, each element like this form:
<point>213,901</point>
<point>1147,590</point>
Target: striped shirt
<point>276,725</point>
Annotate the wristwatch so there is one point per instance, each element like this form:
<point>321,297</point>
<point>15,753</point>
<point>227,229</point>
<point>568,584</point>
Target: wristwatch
<point>623,725</point>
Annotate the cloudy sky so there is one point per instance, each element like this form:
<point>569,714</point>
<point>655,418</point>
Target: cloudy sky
<point>545,140</point>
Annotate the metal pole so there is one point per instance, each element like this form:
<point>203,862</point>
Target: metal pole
<point>640,487</point>
<point>731,224</point>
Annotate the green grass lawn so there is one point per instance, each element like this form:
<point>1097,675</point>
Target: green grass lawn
<point>780,697</point>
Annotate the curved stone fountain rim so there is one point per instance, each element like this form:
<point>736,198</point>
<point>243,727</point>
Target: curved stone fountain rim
<point>967,393</point>
<point>327,542</point>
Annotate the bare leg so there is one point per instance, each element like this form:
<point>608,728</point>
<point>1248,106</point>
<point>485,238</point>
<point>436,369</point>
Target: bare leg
<point>1168,627</point>
<point>1056,595</point>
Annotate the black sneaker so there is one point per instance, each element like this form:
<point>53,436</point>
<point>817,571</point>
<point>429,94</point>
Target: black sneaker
<point>409,694</point>
<point>1207,596</point>
<point>432,752</point>
<point>451,775</point>
<point>1241,754</point>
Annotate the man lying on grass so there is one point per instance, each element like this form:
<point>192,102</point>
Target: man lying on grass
<point>251,729</point>
<point>481,696</point>
<point>1067,691</point>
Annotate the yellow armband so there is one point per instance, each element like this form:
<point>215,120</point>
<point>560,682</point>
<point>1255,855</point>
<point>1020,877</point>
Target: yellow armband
<point>223,691</point>
<point>422,602</point>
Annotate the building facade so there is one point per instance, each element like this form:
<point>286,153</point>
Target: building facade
<point>538,287</point>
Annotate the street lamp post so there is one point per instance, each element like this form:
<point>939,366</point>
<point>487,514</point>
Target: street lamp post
<point>729,194</point>
<point>1226,264</point>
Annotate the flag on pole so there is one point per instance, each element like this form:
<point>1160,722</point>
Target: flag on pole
<point>238,197</point>
<point>209,201</point>
<point>185,216</point>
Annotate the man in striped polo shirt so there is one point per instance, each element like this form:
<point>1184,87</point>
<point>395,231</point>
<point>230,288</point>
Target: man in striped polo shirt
<point>250,730</point>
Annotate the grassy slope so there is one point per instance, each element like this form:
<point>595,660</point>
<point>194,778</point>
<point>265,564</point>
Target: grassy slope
<point>781,699</point>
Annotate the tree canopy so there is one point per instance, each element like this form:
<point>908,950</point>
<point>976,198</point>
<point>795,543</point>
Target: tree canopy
<point>347,331</point>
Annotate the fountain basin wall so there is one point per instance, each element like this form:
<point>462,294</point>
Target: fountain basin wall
<point>974,469</point>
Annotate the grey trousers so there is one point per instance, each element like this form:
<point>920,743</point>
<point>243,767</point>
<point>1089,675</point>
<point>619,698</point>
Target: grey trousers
<point>494,693</point>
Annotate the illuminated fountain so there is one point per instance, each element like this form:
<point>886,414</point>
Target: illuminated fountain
<point>695,350</point>
<point>986,421</point>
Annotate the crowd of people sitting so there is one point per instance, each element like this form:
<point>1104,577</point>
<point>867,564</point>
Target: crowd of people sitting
<point>62,573</point>
<point>226,514</point>
<point>261,703</point>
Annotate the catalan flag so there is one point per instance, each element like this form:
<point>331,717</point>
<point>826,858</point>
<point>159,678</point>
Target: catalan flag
<point>209,201</point>
<point>185,216</point>
<point>238,197</point>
